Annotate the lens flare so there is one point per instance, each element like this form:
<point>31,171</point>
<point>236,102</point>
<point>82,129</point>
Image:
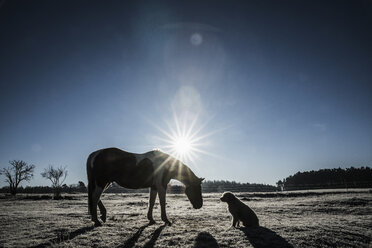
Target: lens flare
<point>196,39</point>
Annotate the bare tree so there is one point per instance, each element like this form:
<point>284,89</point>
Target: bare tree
<point>57,177</point>
<point>280,185</point>
<point>17,172</point>
<point>82,187</point>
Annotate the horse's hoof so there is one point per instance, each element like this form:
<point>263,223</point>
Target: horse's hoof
<point>103,218</point>
<point>167,222</point>
<point>97,224</point>
<point>152,222</point>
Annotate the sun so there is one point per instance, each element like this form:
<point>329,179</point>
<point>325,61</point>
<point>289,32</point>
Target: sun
<point>182,145</point>
<point>183,139</point>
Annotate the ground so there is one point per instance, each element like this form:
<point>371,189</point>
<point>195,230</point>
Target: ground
<point>297,220</point>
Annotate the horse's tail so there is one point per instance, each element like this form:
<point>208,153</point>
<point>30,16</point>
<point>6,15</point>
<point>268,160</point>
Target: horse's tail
<point>91,182</point>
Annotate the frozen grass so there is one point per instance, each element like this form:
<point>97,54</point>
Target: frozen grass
<point>325,220</point>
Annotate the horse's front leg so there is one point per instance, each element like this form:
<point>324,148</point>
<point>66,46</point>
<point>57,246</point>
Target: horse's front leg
<point>153,193</point>
<point>162,192</point>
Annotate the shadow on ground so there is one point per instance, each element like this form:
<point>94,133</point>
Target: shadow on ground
<point>261,237</point>
<point>204,240</point>
<point>129,243</point>
<point>132,240</point>
<point>63,235</point>
<point>155,236</point>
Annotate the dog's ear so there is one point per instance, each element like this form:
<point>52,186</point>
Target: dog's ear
<point>229,196</point>
<point>223,197</point>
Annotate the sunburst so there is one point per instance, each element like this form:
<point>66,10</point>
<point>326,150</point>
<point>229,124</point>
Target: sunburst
<point>184,141</point>
<point>182,145</point>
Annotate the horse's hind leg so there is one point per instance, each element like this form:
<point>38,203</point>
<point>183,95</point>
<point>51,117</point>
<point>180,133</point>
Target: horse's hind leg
<point>162,192</point>
<point>95,199</point>
<point>153,193</point>
<point>102,209</point>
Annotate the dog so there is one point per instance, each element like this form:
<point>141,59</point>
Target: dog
<point>239,211</point>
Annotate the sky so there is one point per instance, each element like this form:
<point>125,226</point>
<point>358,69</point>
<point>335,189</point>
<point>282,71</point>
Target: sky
<point>266,88</point>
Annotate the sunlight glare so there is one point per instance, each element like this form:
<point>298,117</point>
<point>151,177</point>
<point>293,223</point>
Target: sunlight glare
<point>182,145</point>
<point>183,139</point>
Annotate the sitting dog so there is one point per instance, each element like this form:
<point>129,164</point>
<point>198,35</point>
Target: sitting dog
<point>239,211</point>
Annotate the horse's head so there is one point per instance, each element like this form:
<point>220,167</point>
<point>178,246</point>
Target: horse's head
<point>193,192</point>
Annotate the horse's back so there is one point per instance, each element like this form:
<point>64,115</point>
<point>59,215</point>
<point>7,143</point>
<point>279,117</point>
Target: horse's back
<point>113,164</point>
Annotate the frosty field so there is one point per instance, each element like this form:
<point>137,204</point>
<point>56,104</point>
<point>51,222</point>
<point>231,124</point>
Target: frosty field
<point>301,220</point>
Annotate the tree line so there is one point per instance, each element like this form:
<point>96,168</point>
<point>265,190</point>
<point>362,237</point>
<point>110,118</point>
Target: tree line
<point>20,171</point>
<point>69,189</point>
<point>222,186</point>
<point>216,186</point>
<point>328,179</point>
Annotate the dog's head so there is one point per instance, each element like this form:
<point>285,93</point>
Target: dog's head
<point>227,197</point>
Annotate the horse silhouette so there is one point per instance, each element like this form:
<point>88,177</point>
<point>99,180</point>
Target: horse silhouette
<point>152,170</point>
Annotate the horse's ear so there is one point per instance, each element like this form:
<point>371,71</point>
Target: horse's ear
<point>201,179</point>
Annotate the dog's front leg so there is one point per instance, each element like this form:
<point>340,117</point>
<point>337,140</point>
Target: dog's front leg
<point>235,220</point>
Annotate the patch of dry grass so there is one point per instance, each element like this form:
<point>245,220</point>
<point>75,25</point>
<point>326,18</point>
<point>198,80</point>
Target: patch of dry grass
<point>329,220</point>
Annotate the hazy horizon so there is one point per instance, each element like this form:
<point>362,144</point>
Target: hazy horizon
<point>267,88</point>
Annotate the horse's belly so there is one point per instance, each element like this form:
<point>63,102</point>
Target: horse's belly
<point>134,183</point>
<point>136,178</point>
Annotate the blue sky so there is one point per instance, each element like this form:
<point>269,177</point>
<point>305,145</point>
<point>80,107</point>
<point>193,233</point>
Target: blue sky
<point>275,88</point>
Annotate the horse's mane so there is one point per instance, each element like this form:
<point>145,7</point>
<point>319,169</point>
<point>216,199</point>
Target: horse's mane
<point>180,170</point>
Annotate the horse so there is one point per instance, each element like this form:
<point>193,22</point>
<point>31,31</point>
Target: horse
<point>152,170</point>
